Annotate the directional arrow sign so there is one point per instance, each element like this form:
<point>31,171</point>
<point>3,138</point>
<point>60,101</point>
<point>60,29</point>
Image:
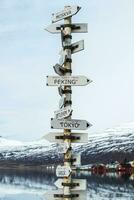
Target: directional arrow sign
<point>55,137</point>
<point>79,184</point>
<point>57,195</point>
<point>68,81</point>
<point>60,90</point>
<point>77,158</point>
<point>62,102</point>
<point>64,55</point>
<point>62,147</point>
<point>67,12</point>
<point>73,124</point>
<point>63,171</point>
<point>76,28</point>
<point>59,70</point>
<point>77,46</point>
<point>63,113</point>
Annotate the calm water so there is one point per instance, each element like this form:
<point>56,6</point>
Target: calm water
<point>26,186</point>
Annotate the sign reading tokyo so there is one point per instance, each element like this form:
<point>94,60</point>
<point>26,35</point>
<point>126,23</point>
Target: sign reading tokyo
<point>67,80</point>
<point>67,12</point>
<point>73,124</point>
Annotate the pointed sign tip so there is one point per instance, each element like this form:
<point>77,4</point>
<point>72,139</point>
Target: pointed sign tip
<point>89,81</point>
<point>89,125</point>
<point>78,7</point>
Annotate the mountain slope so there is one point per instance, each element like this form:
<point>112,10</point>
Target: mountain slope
<point>105,146</point>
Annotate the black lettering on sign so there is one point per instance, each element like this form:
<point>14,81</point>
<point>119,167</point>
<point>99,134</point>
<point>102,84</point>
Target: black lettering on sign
<point>64,14</point>
<point>69,125</point>
<point>65,81</point>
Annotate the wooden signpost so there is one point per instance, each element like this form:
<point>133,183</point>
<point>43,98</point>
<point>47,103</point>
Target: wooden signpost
<point>69,188</point>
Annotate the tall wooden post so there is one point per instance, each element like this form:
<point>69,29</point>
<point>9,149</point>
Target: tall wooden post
<point>63,117</point>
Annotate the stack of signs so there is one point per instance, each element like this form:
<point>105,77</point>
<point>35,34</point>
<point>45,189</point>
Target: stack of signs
<point>62,117</point>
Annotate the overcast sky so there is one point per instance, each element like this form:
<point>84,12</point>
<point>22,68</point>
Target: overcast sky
<point>28,53</point>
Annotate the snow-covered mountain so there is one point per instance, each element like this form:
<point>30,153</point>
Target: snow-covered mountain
<point>109,145</point>
<point>105,146</point>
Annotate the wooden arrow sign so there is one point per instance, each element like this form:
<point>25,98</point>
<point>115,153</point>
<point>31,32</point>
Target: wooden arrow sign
<point>73,124</point>
<point>58,195</point>
<point>58,137</point>
<point>76,28</point>
<point>67,12</point>
<point>67,81</point>
<point>77,184</point>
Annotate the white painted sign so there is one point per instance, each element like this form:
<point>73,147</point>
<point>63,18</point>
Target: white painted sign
<point>64,56</point>
<point>77,46</point>
<point>52,195</point>
<point>76,28</point>
<point>67,12</point>
<point>80,184</point>
<point>63,113</point>
<point>68,80</point>
<point>73,124</point>
<point>63,171</point>
<point>79,137</point>
<point>60,90</point>
<point>59,70</point>
<point>77,156</point>
<point>61,102</point>
<point>62,147</point>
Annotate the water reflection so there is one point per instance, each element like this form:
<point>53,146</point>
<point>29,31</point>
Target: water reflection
<point>26,185</point>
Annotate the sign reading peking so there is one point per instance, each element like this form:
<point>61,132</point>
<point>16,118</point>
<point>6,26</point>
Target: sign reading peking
<point>73,124</point>
<point>67,12</point>
<point>68,81</point>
